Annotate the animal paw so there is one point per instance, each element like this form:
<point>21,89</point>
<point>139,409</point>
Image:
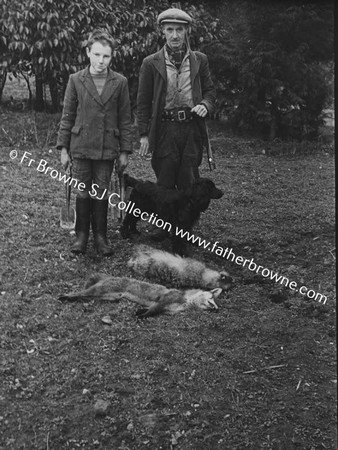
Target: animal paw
<point>142,313</point>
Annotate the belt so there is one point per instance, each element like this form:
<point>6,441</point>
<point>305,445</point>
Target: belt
<point>177,115</point>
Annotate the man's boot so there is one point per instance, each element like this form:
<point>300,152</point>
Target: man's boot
<point>82,225</point>
<point>99,226</point>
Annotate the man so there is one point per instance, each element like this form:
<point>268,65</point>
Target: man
<point>95,130</point>
<point>175,96</point>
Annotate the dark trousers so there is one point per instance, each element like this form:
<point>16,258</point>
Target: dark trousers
<point>94,174</point>
<point>178,155</point>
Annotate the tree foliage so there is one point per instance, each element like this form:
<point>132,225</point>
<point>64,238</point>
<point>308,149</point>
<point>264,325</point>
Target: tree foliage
<point>273,75</point>
<point>48,37</point>
<point>268,59</point>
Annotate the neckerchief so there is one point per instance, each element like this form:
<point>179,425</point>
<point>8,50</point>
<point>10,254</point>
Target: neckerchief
<point>176,56</point>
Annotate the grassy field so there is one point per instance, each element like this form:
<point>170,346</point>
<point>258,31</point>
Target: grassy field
<point>260,374</point>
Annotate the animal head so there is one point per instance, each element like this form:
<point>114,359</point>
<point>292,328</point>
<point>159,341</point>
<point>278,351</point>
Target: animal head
<point>210,187</point>
<point>225,280</point>
<point>201,192</point>
<point>207,187</point>
<point>203,299</point>
<point>212,278</point>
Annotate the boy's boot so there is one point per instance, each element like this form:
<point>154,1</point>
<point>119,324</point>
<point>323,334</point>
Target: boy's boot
<point>82,225</point>
<point>99,226</point>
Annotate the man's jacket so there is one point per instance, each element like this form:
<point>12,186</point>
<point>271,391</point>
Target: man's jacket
<point>152,93</point>
<point>96,126</point>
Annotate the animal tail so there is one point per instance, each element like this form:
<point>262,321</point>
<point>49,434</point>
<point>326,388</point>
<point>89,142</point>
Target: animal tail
<point>76,296</point>
<point>144,188</point>
<point>72,297</point>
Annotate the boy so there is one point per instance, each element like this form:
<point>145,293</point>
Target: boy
<point>95,130</point>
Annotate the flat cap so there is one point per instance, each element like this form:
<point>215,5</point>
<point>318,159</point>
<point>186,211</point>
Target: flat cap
<point>174,15</point>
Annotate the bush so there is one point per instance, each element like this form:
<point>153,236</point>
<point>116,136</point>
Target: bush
<point>271,69</point>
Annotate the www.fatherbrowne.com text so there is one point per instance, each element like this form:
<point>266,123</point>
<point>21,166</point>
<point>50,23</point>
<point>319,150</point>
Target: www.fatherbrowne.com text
<point>251,265</point>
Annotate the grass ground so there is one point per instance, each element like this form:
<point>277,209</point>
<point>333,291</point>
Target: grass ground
<point>260,374</point>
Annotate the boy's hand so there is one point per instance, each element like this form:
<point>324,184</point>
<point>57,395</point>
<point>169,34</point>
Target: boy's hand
<point>122,162</point>
<point>65,158</point>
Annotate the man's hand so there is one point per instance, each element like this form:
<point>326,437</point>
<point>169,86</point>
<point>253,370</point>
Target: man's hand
<point>122,162</point>
<point>144,149</point>
<point>200,110</point>
<point>65,158</point>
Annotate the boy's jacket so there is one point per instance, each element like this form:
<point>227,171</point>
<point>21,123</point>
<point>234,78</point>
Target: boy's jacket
<point>94,126</point>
